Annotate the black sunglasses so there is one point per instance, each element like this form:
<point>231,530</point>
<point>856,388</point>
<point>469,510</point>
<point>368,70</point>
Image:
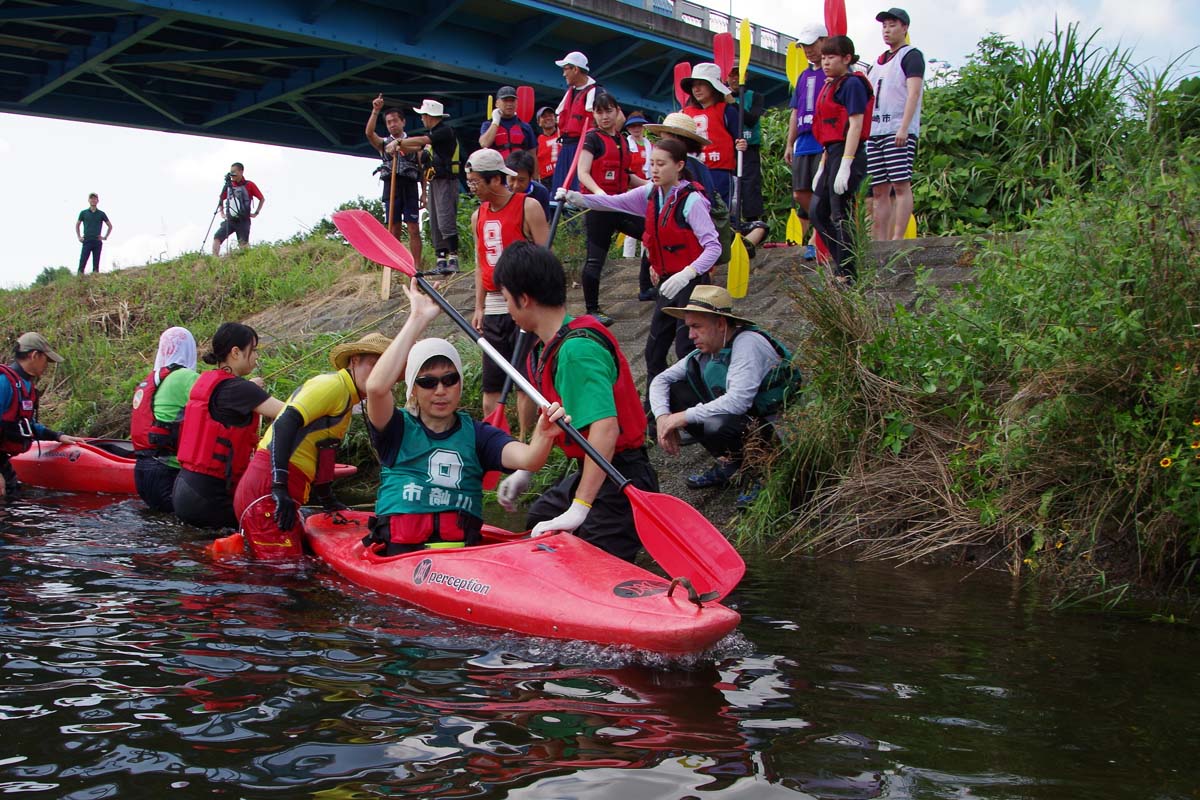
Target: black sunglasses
<point>431,381</point>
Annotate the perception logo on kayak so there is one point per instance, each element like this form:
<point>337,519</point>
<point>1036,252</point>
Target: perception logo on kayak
<point>639,588</point>
<point>425,573</point>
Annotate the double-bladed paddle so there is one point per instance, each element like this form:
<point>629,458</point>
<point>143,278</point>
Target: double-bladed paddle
<point>677,536</point>
<point>587,124</point>
<point>738,279</point>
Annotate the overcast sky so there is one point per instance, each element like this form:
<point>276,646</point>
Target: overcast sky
<point>160,189</point>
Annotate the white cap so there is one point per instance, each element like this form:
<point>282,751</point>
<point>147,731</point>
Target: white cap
<point>421,352</point>
<point>708,72</point>
<point>809,34</point>
<point>431,108</point>
<point>575,59</point>
<point>488,160</point>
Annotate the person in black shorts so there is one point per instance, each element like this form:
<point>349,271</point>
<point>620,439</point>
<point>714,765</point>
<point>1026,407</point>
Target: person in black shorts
<point>236,208</point>
<point>406,179</point>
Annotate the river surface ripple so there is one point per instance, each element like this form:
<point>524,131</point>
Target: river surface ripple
<point>134,666</point>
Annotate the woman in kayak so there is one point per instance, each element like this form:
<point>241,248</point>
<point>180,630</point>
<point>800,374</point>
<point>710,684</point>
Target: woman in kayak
<point>433,456</point>
<point>220,429</point>
<point>157,415</point>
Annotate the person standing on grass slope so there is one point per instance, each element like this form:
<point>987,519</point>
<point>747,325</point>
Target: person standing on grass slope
<point>505,132</point>
<point>295,458</point>
<point>572,111</point>
<point>158,404</point>
<point>220,429</point>
<point>236,209</point>
<point>841,124</point>
<point>501,219</point>
<point>730,388</point>
<point>711,106</point>
<point>407,177</point>
<point>577,361</point>
<point>547,148</point>
<point>898,79</point>
<point>91,219</point>
<point>605,168</point>
<point>802,151</point>
<point>433,456</point>
<point>442,198</point>
<point>19,426</point>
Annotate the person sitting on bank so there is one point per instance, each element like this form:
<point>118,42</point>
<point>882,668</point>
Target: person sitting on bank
<point>19,426</point>
<point>220,429</point>
<point>732,386</point>
<point>433,455</point>
<point>296,457</point>
<point>158,404</point>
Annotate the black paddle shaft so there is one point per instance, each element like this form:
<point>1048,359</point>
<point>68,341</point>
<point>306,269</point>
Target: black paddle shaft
<point>528,388</point>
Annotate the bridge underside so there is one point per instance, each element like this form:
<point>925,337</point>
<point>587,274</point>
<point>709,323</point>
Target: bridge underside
<point>302,73</point>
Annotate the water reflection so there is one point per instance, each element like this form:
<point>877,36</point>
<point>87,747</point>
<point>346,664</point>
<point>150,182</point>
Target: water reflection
<point>133,666</point>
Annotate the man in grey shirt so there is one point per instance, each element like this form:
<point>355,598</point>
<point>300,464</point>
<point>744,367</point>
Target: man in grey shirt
<point>732,385</point>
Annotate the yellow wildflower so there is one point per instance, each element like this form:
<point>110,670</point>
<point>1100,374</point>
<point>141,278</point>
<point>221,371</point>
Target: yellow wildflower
<point>1166,462</point>
<point>1196,445</point>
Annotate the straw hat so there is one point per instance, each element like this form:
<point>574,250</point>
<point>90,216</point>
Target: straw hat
<point>372,344</point>
<point>679,124</point>
<point>709,300</point>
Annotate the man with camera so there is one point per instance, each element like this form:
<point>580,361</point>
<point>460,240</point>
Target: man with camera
<point>235,208</point>
<point>400,173</point>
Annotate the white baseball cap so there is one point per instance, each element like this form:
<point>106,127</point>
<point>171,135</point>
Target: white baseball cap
<point>809,34</point>
<point>488,160</point>
<point>575,59</point>
<point>432,108</point>
<point>421,352</point>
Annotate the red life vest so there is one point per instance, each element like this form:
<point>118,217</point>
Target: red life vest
<point>510,140</point>
<point>830,120</point>
<point>631,417</point>
<point>494,231</point>
<point>670,242</point>
<point>547,154</point>
<point>710,123</point>
<point>209,447</point>
<point>145,430</point>
<point>574,112</point>
<point>16,421</point>
<point>611,167</point>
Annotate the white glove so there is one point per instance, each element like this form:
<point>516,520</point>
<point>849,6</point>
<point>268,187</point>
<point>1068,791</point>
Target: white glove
<point>497,116</point>
<point>674,285</point>
<point>512,487</point>
<point>817,177</point>
<point>567,521</point>
<point>574,198</point>
<point>841,181</point>
<point>560,193</point>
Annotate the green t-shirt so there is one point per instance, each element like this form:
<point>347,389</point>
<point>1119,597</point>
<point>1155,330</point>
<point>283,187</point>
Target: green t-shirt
<point>584,376</point>
<point>92,220</point>
<point>171,396</point>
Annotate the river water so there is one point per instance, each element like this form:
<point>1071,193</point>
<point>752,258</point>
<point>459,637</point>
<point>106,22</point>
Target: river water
<point>134,666</point>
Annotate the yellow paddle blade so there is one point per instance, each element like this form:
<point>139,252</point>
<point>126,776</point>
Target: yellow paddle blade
<point>491,107</point>
<point>794,54</point>
<point>907,39</point>
<point>795,230</point>
<point>739,268</point>
<point>910,231</point>
<point>745,40</point>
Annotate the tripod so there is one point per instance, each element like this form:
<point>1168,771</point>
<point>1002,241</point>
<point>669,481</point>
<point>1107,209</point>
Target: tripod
<point>222,198</point>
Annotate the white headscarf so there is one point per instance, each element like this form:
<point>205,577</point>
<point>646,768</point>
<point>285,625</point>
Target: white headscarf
<point>424,350</point>
<point>176,346</point>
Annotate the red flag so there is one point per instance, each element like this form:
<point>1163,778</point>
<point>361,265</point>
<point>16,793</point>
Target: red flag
<point>835,17</point>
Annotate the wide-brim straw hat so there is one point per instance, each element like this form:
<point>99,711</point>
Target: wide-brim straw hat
<point>679,124</point>
<point>709,300</point>
<point>373,343</point>
<point>708,72</point>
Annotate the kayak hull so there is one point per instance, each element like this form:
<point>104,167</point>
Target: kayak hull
<point>556,586</point>
<point>102,466</point>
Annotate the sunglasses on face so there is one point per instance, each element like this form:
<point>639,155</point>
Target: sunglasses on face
<point>431,381</point>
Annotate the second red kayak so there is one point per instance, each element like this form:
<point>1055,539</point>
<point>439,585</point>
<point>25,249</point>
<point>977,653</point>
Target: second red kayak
<point>98,465</point>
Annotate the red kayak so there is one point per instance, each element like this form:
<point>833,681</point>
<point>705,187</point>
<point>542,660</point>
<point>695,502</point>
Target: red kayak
<point>97,465</point>
<point>557,586</point>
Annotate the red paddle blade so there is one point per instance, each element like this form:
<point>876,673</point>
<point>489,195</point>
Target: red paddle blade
<point>723,52</point>
<point>498,418</point>
<point>835,17</point>
<point>682,70</point>
<point>525,103</point>
<point>368,236</point>
<point>684,543</point>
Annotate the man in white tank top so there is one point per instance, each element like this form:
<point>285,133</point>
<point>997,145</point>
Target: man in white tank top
<point>898,79</point>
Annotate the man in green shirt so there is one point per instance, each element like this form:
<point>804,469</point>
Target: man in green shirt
<point>90,220</point>
<point>578,363</point>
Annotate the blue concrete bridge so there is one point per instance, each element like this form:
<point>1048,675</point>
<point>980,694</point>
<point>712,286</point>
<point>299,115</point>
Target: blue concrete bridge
<point>303,72</point>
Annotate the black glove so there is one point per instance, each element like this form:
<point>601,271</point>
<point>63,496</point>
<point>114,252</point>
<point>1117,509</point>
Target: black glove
<point>323,494</point>
<point>285,507</point>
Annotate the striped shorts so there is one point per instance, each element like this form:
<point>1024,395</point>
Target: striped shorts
<point>887,163</point>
